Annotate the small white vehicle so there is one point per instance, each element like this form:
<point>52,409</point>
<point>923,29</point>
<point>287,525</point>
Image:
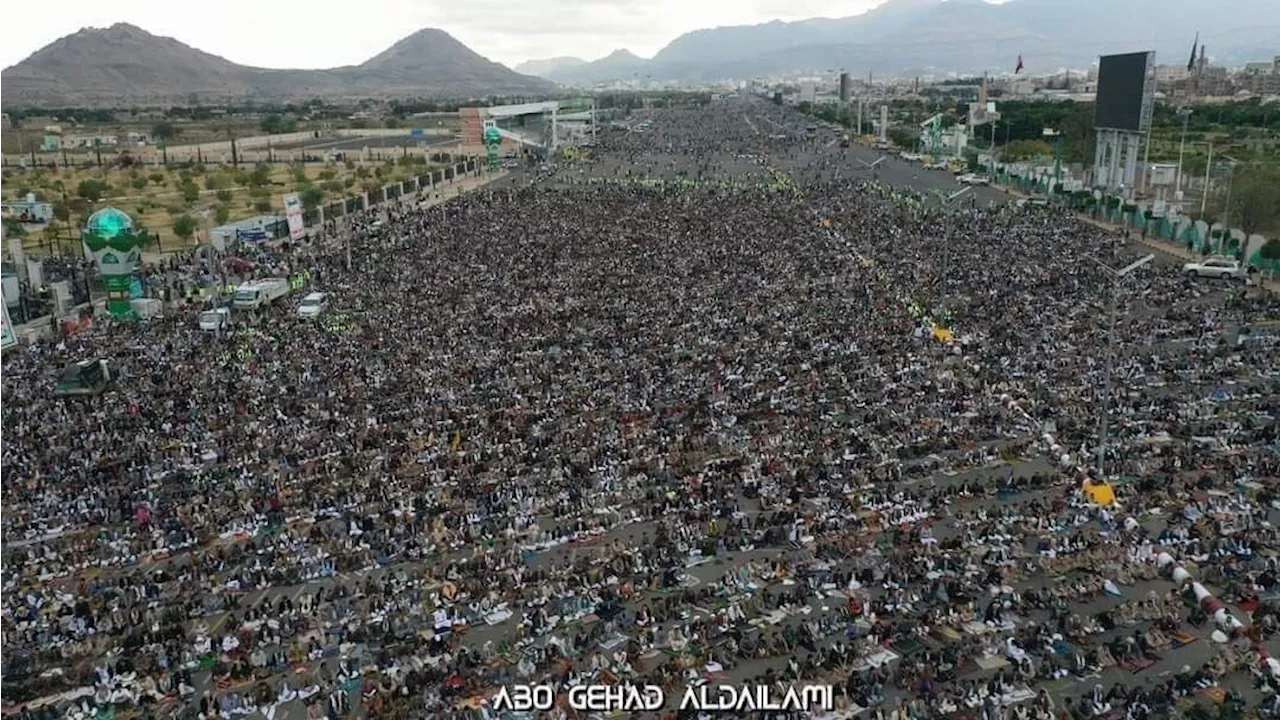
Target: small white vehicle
<point>1033,201</point>
<point>1216,267</point>
<point>910,157</point>
<point>260,294</point>
<point>939,165</point>
<point>510,164</point>
<point>973,179</point>
<point>313,304</point>
<point>213,320</point>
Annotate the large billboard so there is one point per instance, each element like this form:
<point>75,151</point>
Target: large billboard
<point>1125,91</point>
<point>293,214</point>
<point>7,337</point>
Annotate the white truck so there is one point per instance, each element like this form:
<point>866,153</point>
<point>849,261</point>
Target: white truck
<point>260,294</point>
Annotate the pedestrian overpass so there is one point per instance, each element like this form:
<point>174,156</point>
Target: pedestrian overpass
<point>536,125</point>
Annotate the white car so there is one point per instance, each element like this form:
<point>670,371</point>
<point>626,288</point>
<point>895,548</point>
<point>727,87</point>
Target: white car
<point>910,157</point>
<point>1225,268</point>
<point>973,179</point>
<point>214,320</point>
<point>1033,201</point>
<point>313,304</point>
<point>940,165</point>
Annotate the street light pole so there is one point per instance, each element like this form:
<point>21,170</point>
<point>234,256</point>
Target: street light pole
<point>1231,176</point>
<point>1208,164</point>
<point>1104,409</point>
<point>1182,146</point>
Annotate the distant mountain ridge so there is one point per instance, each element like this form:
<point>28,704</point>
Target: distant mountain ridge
<point>909,37</point>
<point>124,64</point>
<point>541,68</point>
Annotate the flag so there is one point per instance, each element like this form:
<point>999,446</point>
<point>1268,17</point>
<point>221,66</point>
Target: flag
<point>1191,63</point>
<point>1019,68</point>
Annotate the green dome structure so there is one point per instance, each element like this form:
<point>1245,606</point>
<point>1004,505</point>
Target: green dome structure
<point>116,244</point>
<point>108,223</point>
<point>492,142</point>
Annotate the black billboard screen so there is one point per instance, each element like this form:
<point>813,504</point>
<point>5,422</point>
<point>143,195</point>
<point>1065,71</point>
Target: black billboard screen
<point>1121,81</point>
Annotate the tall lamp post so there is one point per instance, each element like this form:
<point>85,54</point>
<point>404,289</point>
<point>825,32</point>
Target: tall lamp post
<point>1185,112</point>
<point>1116,276</point>
<point>1208,165</point>
<point>1057,157</point>
<point>1231,176</point>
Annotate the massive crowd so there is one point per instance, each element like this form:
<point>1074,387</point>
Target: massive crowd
<point>570,432</point>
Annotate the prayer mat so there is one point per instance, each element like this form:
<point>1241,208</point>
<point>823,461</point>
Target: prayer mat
<point>908,647</point>
<point>1181,638</point>
<point>991,663</point>
<point>1137,666</point>
<point>1059,686</point>
<point>1216,694</point>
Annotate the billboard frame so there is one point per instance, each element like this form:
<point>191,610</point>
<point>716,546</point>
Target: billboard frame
<point>1147,102</point>
<point>1115,159</point>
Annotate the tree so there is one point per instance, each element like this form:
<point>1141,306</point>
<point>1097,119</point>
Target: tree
<point>13,227</point>
<point>1255,200</point>
<point>61,211</point>
<point>190,191</point>
<point>276,123</point>
<point>262,205</point>
<point>184,226</point>
<point>221,214</point>
<point>156,178</point>
<point>91,190</point>
<point>224,196</point>
<point>312,197</point>
<point>138,182</point>
<point>903,138</point>
<point>261,175</point>
<point>163,131</point>
<point>1025,149</point>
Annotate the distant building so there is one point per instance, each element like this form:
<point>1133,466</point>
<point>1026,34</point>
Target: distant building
<point>846,87</point>
<point>89,141</point>
<point>808,91</point>
<point>1166,74</point>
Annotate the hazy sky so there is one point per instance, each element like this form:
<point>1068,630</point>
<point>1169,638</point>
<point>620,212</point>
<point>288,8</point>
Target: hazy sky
<point>298,34</point>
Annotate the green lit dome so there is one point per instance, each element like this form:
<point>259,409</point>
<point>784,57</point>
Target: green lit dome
<point>108,223</point>
<point>491,134</point>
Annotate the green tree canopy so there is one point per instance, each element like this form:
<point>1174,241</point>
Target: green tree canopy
<point>1255,201</point>
<point>312,197</point>
<point>92,190</point>
<point>184,226</point>
<point>164,131</point>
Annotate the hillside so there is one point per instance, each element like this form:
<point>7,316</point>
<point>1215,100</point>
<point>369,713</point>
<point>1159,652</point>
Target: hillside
<point>907,37</point>
<point>543,68</point>
<point>617,65</point>
<point>123,65</point>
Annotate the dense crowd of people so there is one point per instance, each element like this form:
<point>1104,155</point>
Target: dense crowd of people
<point>781,425</point>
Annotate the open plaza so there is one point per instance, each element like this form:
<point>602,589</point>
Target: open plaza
<point>719,400</point>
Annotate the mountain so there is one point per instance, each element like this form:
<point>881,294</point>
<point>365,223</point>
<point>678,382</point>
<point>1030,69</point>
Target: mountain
<point>126,65</point>
<point>617,65</point>
<point>542,68</point>
<point>910,37</point>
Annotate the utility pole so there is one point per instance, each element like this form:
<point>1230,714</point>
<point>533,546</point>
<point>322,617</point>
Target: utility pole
<point>1204,195</point>
<point>1116,277</point>
<point>1185,112</point>
<point>1231,176</point>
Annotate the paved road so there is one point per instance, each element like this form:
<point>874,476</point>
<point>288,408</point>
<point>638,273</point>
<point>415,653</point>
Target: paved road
<point>373,143</point>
